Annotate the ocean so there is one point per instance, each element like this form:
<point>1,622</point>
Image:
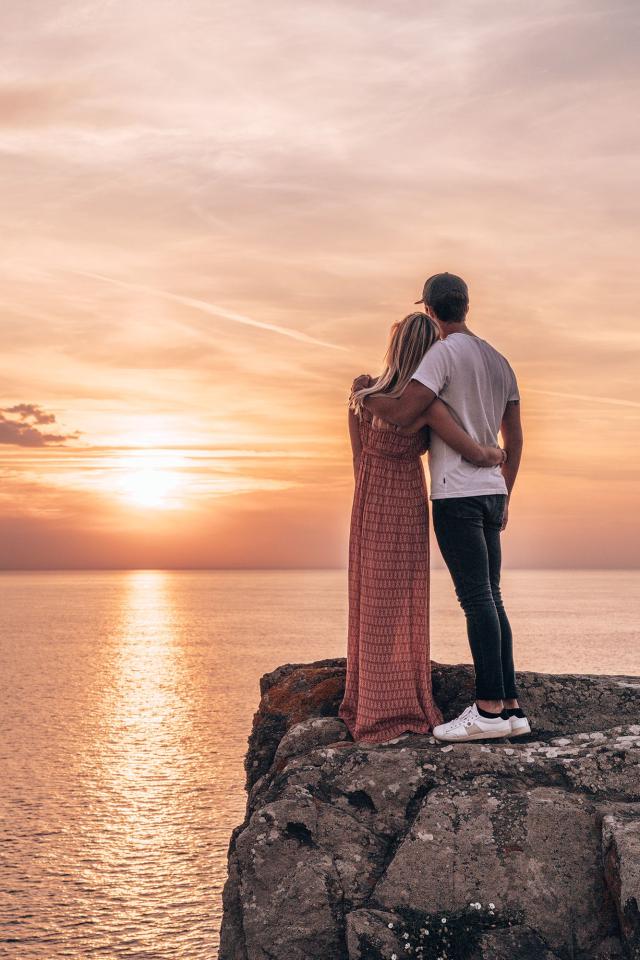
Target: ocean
<point>126,699</point>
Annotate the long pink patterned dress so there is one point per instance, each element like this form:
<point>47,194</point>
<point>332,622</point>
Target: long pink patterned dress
<point>388,686</point>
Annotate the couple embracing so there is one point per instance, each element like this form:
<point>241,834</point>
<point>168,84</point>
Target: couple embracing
<point>445,390</point>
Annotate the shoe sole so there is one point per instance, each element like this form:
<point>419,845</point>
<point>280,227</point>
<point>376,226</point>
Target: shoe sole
<point>522,732</point>
<point>475,736</point>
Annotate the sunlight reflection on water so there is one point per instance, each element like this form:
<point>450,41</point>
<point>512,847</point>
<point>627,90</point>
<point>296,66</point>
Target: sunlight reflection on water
<point>144,857</point>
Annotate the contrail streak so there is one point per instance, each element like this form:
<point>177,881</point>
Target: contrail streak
<point>593,398</point>
<point>212,309</point>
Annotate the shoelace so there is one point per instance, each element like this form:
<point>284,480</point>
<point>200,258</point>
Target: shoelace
<point>458,720</point>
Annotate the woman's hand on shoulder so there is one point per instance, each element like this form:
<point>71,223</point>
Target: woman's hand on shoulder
<point>361,382</point>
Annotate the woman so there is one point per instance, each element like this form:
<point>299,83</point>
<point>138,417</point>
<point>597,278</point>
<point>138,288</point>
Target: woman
<point>388,685</point>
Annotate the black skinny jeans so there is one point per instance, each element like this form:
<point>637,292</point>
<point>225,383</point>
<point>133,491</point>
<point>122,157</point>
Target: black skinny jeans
<point>468,534</point>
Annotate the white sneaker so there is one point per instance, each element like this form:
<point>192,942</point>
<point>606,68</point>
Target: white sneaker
<point>519,726</point>
<point>470,725</point>
<point>452,723</point>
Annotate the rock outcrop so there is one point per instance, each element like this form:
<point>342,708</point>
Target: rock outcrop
<point>485,851</point>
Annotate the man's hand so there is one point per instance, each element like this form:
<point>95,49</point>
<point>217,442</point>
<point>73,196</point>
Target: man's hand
<point>505,517</point>
<point>492,457</point>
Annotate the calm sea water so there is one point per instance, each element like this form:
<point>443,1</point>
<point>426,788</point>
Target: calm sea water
<point>125,702</point>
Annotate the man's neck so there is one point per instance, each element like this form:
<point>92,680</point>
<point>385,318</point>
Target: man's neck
<point>446,329</point>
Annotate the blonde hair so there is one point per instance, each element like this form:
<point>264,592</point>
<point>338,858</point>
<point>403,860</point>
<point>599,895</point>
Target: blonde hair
<point>409,340</point>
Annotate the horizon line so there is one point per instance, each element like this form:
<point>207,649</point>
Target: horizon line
<point>266,569</point>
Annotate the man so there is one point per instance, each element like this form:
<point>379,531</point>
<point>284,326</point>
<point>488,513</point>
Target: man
<point>470,504</point>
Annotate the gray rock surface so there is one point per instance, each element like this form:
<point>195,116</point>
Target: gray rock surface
<point>621,851</point>
<point>518,849</point>
<point>511,942</point>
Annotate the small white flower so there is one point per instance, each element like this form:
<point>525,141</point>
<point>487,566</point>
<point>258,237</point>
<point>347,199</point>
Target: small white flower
<point>444,920</point>
<point>394,956</point>
<point>407,946</point>
<point>390,925</point>
<point>492,906</point>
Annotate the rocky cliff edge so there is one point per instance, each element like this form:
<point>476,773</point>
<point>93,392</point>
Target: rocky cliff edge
<point>517,850</point>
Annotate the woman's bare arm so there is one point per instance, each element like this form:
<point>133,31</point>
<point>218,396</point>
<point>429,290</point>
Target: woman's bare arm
<point>356,442</point>
<point>438,418</point>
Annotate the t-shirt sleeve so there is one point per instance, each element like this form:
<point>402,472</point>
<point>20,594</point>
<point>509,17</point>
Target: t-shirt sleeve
<point>513,392</point>
<point>433,369</point>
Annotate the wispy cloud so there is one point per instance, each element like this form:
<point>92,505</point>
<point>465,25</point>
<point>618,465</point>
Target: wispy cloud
<point>594,399</point>
<point>213,310</point>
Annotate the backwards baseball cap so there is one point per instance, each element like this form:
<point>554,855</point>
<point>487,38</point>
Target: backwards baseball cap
<point>443,285</point>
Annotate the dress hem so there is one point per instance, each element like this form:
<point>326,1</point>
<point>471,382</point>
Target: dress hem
<point>414,728</point>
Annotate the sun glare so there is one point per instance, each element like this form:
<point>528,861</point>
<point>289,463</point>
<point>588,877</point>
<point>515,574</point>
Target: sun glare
<point>150,487</point>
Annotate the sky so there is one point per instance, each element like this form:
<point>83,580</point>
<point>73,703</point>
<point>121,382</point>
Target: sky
<point>212,213</point>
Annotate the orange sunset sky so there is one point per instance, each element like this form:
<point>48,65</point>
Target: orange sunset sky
<point>211,214</point>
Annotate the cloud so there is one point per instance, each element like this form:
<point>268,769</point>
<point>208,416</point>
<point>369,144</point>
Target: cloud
<point>593,398</point>
<point>214,310</point>
<point>32,411</point>
<point>21,428</point>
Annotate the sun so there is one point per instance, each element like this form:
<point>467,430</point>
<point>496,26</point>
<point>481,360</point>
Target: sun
<point>150,487</point>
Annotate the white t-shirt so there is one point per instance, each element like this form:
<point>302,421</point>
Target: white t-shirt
<point>476,383</point>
